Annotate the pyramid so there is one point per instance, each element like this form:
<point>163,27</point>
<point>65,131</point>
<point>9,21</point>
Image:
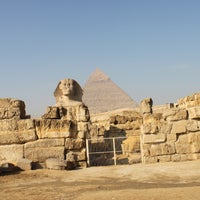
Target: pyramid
<point>101,94</point>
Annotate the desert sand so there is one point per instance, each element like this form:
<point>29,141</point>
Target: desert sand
<point>161,181</point>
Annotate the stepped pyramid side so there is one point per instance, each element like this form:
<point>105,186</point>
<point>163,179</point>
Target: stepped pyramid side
<point>102,95</point>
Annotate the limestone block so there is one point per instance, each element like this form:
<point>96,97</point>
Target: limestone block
<point>151,123</point>
<point>146,105</point>
<point>175,114</point>
<point>190,101</point>
<point>146,150</point>
<point>171,137</point>
<point>76,155</point>
<point>193,156</point>
<point>149,160</point>
<point>165,127</point>
<point>166,158</point>
<point>194,112</point>
<point>83,114</point>
<point>12,108</point>
<point>83,130</point>
<point>55,128</point>
<point>14,131</point>
<point>40,150</point>
<point>133,125</point>
<point>40,154</point>
<point>119,119</point>
<point>194,140</point>
<point>113,120</point>
<point>179,127</point>
<point>45,143</point>
<point>51,113</point>
<point>149,128</point>
<point>11,153</point>
<point>182,144</point>
<point>154,138</point>
<point>131,145</point>
<point>153,118</point>
<point>74,144</point>
<point>176,158</point>
<point>55,164</point>
<point>16,137</point>
<point>162,149</point>
<point>24,164</point>
<point>133,133</point>
<point>168,148</point>
<point>184,157</point>
<point>193,125</point>
<point>155,150</point>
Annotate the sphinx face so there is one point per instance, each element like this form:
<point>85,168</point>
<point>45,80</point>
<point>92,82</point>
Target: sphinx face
<point>67,87</point>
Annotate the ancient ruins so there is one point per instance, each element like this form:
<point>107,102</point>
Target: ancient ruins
<point>58,139</point>
<point>55,140</point>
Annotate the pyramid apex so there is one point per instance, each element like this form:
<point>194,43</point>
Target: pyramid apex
<point>97,76</point>
<point>101,94</point>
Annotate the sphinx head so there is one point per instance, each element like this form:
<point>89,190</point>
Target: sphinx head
<point>68,90</point>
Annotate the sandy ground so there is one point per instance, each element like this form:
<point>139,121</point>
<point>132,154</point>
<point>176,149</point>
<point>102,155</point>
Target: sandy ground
<point>162,181</point>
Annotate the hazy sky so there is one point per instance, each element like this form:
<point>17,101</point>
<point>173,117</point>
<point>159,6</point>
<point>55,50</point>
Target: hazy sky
<point>150,48</point>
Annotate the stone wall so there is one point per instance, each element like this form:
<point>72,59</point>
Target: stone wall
<point>157,134</point>
<point>59,134</point>
<point>119,123</point>
<point>173,134</point>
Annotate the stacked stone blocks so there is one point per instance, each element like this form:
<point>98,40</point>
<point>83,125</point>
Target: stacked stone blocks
<point>61,131</point>
<point>173,135</point>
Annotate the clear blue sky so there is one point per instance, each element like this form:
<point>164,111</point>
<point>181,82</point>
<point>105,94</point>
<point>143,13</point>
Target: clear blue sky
<point>150,48</point>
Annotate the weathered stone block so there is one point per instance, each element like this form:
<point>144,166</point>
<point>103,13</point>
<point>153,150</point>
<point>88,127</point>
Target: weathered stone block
<point>40,154</point>
<point>176,158</point>
<point>12,108</point>
<point>11,153</point>
<point>51,113</point>
<point>119,119</point>
<point>131,145</point>
<point>55,164</point>
<point>83,114</point>
<point>165,128</point>
<point>175,114</point>
<point>182,145</point>
<point>193,125</point>
<point>146,105</point>
<point>24,164</point>
<point>55,128</point>
<point>166,158</point>
<point>17,131</point>
<point>155,150</point>
<point>194,140</point>
<point>171,137</point>
<point>154,138</point>
<point>45,143</point>
<point>83,130</point>
<point>149,128</point>
<point>179,127</point>
<point>149,160</point>
<point>168,148</point>
<point>194,112</point>
<point>133,132</point>
<point>162,149</point>
<point>76,156</point>
<point>74,144</point>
